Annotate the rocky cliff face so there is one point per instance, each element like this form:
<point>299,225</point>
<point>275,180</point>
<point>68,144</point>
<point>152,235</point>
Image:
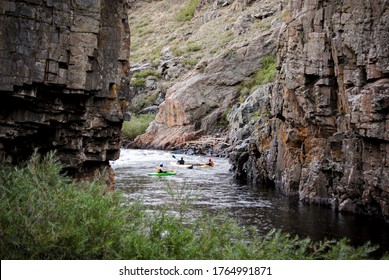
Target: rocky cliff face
<point>198,102</point>
<point>320,131</point>
<point>194,105</point>
<point>63,85</point>
<point>325,134</point>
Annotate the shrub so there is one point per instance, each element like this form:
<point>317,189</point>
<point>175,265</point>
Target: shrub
<point>266,74</point>
<point>46,215</point>
<point>145,73</point>
<point>140,77</point>
<point>190,62</point>
<point>193,47</point>
<point>187,13</point>
<point>223,121</point>
<point>138,82</point>
<point>136,126</point>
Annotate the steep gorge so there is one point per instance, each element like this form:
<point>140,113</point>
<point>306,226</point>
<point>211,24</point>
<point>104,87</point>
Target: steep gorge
<point>63,81</point>
<point>320,131</point>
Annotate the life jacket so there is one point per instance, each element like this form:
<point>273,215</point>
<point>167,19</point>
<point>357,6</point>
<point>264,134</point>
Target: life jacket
<point>160,169</point>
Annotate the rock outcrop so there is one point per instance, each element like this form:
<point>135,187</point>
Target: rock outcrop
<point>195,105</point>
<point>325,132</point>
<point>63,80</point>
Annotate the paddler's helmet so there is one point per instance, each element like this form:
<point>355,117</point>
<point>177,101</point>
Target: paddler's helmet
<point>161,165</point>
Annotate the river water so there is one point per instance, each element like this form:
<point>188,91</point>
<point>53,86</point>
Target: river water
<point>215,190</point>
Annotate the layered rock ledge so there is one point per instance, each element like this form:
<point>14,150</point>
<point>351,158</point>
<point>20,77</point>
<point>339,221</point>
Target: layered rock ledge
<point>63,85</point>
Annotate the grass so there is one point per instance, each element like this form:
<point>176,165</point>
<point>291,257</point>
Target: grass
<point>262,113</point>
<point>187,12</point>
<point>138,82</point>
<point>190,62</point>
<point>145,73</point>
<point>193,47</point>
<point>143,103</point>
<point>223,121</point>
<point>136,126</point>
<point>139,78</point>
<point>266,74</point>
<point>46,215</point>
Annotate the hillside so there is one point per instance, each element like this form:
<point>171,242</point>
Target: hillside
<point>182,50</point>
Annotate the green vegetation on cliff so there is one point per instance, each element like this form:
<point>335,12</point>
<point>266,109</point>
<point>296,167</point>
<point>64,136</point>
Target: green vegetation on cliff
<point>136,126</point>
<point>187,12</point>
<point>140,77</point>
<point>46,215</point>
<point>266,74</point>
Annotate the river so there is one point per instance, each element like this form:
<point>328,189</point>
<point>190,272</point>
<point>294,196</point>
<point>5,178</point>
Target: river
<point>214,189</point>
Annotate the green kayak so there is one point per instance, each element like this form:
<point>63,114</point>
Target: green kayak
<point>169,173</point>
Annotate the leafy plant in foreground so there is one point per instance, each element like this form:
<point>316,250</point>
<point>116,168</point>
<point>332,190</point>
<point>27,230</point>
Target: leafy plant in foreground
<point>46,215</point>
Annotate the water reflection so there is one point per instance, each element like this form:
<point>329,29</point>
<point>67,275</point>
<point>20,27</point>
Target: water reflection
<point>215,190</point>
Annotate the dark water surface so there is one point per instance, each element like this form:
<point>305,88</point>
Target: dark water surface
<point>215,190</point>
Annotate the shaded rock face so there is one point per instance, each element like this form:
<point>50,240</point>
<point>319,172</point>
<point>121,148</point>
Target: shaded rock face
<point>326,135</point>
<point>63,84</point>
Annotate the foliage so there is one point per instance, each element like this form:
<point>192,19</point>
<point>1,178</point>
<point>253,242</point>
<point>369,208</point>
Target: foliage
<point>187,13</point>
<point>138,82</point>
<point>190,62</point>
<point>266,74</point>
<point>140,77</point>
<point>261,113</point>
<point>148,101</point>
<point>136,126</point>
<point>46,215</point>
<point>145,73</point>
<point>193,47</point>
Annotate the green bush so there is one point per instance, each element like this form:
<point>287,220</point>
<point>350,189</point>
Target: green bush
<point>138,82</point>
<point>187,13</point>
<point>145,73</point>
<point>266,74</point>
<point>136,126</point>
<point>46,215</point>
<point>193,47</point>
<point>190,62</point>
<point>139,78</point>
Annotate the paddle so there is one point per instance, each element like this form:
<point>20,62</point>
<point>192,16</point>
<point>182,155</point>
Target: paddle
<point>195,164</point>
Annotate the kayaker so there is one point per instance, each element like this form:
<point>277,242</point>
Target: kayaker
<point>160,169</point>
<point>181,161</point>
<point>210,162</point>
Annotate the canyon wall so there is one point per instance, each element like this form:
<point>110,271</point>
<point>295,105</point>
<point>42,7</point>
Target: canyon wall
<point>320,131</point>
<point>63,80</point>
<point>324,130</point>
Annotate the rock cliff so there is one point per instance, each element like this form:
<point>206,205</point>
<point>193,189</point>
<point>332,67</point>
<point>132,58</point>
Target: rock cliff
<point>325,133</point>
<point>63,80</point>
<point>320,130</point>
<point>199,100</point>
